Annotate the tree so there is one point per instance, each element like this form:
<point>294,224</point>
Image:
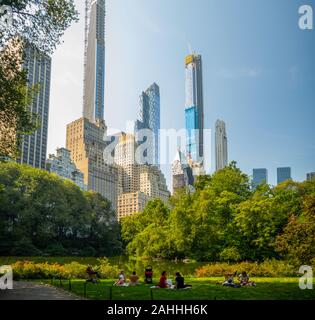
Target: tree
<point>16,96</point>
<point>39,24</point>
<point>42,213</point>
<point>297,241</point>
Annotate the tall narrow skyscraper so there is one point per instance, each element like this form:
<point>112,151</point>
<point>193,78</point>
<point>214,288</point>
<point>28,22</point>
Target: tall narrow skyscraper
<point>221,149</point>
<point>194,110</point>
<point>34,146</point>
<point>94,60</point>
<point>149,118</point>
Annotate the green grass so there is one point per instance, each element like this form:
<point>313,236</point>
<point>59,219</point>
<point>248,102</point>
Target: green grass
<point>203,289</point>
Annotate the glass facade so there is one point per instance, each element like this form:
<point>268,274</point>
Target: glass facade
<point>34,146</point>
<point>194,108</point>
<point>259,176</point>
<point>149,118</point>
<point>94,60</point>
<point>283,174</point>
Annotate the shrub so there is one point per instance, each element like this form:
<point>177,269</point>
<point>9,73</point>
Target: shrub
<point>268,268</point>
<point>105,269</point>
<point>73,270</point>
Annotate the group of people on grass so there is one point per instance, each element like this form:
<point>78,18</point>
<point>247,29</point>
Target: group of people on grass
<point>164,283</point>
<point>243,280</point>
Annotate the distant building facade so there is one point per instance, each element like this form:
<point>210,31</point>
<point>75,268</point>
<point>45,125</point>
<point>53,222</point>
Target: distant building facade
<point>221,146</point>
<point>33,149</point>
<point>62,165</point>
<point>182,173</point>
<point>194,109</point>
<point>85,140</point>
<point>94,60</point>
<point>149,118</point>
<point>139,183</point>
<point>310,176</point>
<point>259,176</point>
<point>283,174</point>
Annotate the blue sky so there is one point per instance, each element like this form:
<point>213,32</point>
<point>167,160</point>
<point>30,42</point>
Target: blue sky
<point>258,70</point>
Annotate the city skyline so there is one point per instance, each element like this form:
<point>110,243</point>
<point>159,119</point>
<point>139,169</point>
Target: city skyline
<point>267,145</point>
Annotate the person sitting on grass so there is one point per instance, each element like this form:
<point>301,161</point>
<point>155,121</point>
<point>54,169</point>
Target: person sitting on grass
<point>121,279</point>
<point>163,284</point>
<point>133,279</point>
<point>180,282</point>
<point>243,278</point>
<point>229,280</point>
<point>92,275</point>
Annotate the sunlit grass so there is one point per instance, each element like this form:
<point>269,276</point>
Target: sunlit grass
<point>203,289</point>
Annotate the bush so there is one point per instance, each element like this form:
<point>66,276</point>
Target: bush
<point>106,270</point>
<point>268,268</point>
<point>73,270</point>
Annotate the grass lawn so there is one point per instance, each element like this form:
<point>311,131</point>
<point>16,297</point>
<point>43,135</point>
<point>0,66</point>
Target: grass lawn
<point>203,289</point>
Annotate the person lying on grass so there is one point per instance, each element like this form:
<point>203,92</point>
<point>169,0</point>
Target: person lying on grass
<point>133,279</point>
<point>180,282</point>
<point>243,278</point>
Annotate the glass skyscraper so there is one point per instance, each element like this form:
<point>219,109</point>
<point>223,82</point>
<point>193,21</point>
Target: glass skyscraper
<point>149,118</point>
<point>283,174</point>
<point>194,110</point>
<point>259,176</point>
<point>34,146</point>
<point>94,60</point>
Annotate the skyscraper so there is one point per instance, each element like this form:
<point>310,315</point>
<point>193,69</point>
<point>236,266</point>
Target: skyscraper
<point>283,174</point>
<point>194,110</point>
<point>310,176</point>
<point>221,149</point>
<point>94,60</point>
<point>139,182</point>
<point>34,146</point>
<point>85,141</point>
<point>259,176</point>
<point>149,118</point>
<point>182,172</point>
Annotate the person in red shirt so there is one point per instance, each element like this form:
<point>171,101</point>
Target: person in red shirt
<point>163,284</point>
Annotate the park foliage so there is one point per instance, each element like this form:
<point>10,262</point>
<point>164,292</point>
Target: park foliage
<point>227,220</point>
<point>42,214</point>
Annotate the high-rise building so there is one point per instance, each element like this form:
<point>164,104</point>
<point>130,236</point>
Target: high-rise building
<point>149,118</point>
<point>182,172</point>
<point>34,146</point>
<point>94,60</point>
<point>62,165</point>
<point>221,149</point>
<point>283,174</point>
<point>139,182</point>
<point>85,141</point>
<point>259,176</point>
<point>310,176</point>
<point>194,109</point>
